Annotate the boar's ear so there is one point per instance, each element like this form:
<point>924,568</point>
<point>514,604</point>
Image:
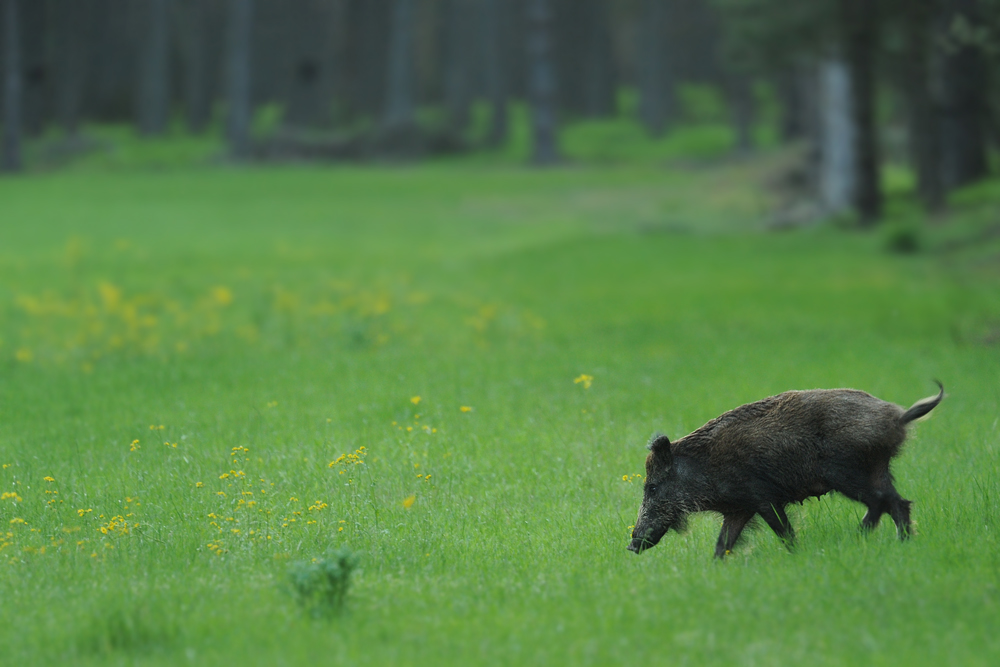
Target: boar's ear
<point>659,444</point>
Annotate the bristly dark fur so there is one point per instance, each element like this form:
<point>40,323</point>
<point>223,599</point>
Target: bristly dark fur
<point>756,459</point>
<point>656,440</point>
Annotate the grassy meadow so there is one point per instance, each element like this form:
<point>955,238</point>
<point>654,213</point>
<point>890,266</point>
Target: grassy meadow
<point>210,373</point>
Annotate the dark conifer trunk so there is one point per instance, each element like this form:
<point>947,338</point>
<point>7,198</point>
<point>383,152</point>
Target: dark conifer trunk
<point>860,26</point>
<point>197,96</point>
<point>36,67</point>
<point>654,87</point>
<point>71,27</point>
<point>458,34</point>
<point>240,33</point>
<point>10,150</point>
<point>497,32</point>
<point>368,45</point>
<point>599,81</point>
<point>114,68</point>
<point>741,105</point>
<point>308,61</point>
<point>964,85</point>
<point>336,50</point>
<point>542,83</point>
<point>925,127</point>
<point>154,73</point>
<point>793,123</point>
<point>399,114</point>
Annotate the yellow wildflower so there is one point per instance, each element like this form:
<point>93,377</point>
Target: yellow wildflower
<point>585,380</point>
<point>408,503</point>
<point>222,295</point>
<point>415,400</point>
<point>465,408</point>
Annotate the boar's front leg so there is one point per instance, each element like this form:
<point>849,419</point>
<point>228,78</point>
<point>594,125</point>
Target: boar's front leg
<point>732,526</point>
<point>883,498</point>
<point>776,518</point>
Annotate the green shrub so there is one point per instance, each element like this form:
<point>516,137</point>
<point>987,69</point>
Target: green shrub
<point>903,236</point>
<point>320,585</point>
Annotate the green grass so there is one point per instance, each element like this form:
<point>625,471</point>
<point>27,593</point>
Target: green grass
<point>297,312</point>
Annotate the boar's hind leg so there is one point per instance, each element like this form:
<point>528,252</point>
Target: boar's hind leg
<point>776,518</point>
<point>732,526</point>
<point>899,510</point>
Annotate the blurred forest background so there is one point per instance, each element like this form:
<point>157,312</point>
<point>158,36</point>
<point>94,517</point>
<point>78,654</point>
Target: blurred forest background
<point>855,82</point>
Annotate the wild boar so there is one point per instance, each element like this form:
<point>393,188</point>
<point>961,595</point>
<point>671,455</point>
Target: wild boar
<point>762,456</point>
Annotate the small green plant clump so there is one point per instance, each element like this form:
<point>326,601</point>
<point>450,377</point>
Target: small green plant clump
<point>320,585</point>
<point>903,236</point>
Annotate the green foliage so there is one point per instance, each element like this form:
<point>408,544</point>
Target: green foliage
<point>320,585</point>
<point>764,36</point>
<point>701,103</point>
<point>267,120</point>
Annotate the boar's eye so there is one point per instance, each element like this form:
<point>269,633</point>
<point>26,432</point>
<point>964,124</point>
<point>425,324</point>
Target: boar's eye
<point>651,489</point>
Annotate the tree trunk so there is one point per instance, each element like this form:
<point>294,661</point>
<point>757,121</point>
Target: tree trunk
<point>497,64</point>
<point>36,82</point>
<point>240,33</point>
<point>837,144</point>
<point>197,95</point>
<point>741,105</point>
<point>154,83</point>
<point>542,84</point>
<point>964,86</point>
<point>336,51</point>
<point>654,100</point>
<point>113,68</point>
<point>925,129</point>
<point>458,63</point>
<point>808,84</point>
<point>10,151</point>
<point>860,22</point>
<point>309,61</point>
<point>599,83</point>
<point>399,95</point>
<point>367,50</point>
<point>71,35</point>
<point>793,124</point>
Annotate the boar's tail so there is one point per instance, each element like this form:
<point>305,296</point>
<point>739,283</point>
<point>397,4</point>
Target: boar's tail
<point>923,406</point>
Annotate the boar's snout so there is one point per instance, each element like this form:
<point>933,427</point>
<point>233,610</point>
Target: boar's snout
<point>641,542</point>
